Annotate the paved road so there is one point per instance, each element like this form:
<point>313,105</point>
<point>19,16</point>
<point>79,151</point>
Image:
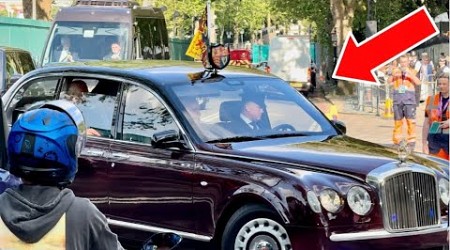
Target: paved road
<point>366,125</point>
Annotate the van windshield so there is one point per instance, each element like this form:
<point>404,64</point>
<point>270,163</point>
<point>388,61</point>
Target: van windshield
<point>83,41</point>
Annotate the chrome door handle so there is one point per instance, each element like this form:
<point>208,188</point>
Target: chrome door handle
<point>93,152</point>
<point>119,156</point>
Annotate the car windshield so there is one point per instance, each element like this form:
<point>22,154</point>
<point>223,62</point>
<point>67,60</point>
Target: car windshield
<point>85,41</point>
<point>242,109</point>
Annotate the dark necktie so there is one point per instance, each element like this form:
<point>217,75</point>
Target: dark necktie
<point>254,125</point>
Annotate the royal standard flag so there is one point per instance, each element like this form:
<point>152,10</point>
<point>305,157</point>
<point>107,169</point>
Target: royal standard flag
<point>198,46</point>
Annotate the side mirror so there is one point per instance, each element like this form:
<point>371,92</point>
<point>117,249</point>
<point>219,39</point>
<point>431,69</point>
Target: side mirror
<point>162,241</point>
<point>168,138</point>
<point>340,126</point>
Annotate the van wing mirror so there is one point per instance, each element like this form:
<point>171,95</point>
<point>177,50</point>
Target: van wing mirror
<point>14,79</point>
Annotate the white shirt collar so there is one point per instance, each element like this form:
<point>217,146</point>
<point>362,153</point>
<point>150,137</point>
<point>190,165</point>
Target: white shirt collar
<point>246,120</point>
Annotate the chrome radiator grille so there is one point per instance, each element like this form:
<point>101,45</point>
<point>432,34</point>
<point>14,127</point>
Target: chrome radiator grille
<point>410,201</point>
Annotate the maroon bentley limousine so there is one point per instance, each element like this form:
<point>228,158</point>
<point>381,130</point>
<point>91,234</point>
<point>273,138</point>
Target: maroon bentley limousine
<point>238,159</point>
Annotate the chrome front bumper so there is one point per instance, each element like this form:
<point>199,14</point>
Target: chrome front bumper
<point>383,234</point>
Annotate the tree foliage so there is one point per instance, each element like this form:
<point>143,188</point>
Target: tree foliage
<point>43,9</point>
<point>237,15</point>
<point>180,15</point>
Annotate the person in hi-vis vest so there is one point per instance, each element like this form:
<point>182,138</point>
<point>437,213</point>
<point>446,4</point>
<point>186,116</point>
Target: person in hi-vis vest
<point>41,213</point>
<point>435,126</point>
<point>403,79</point>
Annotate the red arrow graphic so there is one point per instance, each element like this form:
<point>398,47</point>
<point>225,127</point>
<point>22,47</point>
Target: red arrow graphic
<point>358,61</point>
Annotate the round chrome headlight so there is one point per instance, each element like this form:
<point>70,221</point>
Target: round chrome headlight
<point>444,191</point>
<point>313,202</point>
<point>330,200</point>
<point>359,200</point>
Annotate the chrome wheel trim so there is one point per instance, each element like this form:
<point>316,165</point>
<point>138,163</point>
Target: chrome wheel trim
<point>260,231</point>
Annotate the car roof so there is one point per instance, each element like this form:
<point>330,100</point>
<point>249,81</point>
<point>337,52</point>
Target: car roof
<point>94,14</point>
<point>160,72</point>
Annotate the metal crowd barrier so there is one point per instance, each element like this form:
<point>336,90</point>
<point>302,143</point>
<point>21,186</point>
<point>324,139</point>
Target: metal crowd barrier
<point>371,97</point>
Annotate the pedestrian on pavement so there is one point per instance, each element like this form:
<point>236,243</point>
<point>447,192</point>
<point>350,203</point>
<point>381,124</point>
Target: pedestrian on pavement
<point>425,74</point>
<point>435,126</point>
<point>442,67</point>
<point>403,81</point>
<point>43,147</point>
<point>413,61</point>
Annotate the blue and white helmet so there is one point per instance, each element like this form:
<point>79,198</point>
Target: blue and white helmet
<point>44,144</point>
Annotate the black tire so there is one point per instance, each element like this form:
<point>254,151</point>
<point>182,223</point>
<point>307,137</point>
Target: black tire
<point>254,224</point>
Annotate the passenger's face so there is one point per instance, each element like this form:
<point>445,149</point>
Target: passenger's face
<point>115,48</point>
<point>65,42</point>
<point>254,111</point>
<point>74,94</point>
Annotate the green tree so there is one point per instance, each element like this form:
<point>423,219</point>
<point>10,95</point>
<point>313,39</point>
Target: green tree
<point>43,9</point>
<point>180,15</point>
<point>326,15</point>
<point>237,15</point>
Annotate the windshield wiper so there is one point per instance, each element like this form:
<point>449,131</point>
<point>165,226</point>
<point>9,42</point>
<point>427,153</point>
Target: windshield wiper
<point>254,138</point>
<point>236,139</point>
<point>282,135</point>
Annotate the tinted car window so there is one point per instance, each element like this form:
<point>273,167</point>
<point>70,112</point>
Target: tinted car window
<point>98,106</point>
<point>144,116</point>
<point>221,102</point>
<point>34,92</point>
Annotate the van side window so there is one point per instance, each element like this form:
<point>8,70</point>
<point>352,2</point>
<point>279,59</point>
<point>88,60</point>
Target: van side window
<point>11,67</point>
<point>153,36</point>
<point>26,62</point>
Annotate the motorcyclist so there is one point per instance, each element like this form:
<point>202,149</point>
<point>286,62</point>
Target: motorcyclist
<point>43,147</point>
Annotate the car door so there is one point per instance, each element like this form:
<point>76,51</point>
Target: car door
<point>98,100</point>
<point>149,186</point>
<point>91,179</point>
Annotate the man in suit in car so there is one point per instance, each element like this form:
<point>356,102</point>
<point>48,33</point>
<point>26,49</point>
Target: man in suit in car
<point>115,53</point>
<point>249,120</point>
<point>64,52</point>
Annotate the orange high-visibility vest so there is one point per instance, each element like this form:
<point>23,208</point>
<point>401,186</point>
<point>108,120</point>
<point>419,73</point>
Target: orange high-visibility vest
<point>433,110</point>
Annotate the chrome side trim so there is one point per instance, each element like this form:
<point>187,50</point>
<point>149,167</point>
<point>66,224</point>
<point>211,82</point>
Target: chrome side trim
<point>382,234</point>
<point>153,229</point>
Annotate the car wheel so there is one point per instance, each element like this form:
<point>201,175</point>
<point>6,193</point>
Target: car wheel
<point>255,227</point>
